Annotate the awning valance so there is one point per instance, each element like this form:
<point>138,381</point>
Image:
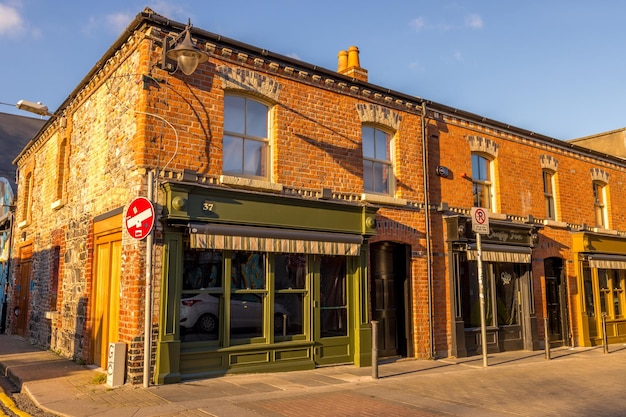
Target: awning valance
<point>500,253</point>
<point>267,239</point>
<point>605,261</point>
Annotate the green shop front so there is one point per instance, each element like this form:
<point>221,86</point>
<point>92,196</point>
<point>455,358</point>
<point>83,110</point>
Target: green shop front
<point>256,282</point>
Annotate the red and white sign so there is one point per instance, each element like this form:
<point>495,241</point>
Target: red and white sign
<point>480,220</point>
<point>139,218</point>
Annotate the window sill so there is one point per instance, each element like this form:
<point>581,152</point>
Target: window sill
<point>57,205</point>
<point>604,231</point>
<point>22,224</point>
<point>383,199</point>
<point>249,183</point>
<point>554,223</point>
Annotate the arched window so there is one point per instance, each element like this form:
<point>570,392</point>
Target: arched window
<point>246,137</point>
<point>599,196</point>
<point>482,181</point>
<point>548,192</point>
<point>378,174</point>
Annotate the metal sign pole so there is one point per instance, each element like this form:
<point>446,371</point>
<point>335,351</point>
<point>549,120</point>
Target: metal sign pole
<point>481,289</point>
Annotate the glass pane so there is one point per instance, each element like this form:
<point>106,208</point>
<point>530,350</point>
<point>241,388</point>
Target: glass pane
<point>256,119</point>
<point>380,178</point>
<point>368,175</point>
<point>368,142</point>
<point>471,295</point>
<point>246,315</point>
<point>588,287</point>
<point>202,270</point>
<point>200,316</point>
<point>382,145</point>
<point>547,183</point>
<point>254,156</point>
<point>248,271</point>
<point>288,314</point>
<point>234,114</point>
<point>290,271</point>
<point>333,313</point>
<point>480,168</point>
<point>232,159</point>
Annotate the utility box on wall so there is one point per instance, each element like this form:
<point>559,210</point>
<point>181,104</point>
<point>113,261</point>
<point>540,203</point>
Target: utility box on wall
<point>117,364</point>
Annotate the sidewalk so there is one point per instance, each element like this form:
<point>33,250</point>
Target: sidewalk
<point>575,382</point>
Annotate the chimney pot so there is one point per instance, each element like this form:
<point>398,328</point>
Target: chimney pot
<point>342,61</point>
<point>353,57</point>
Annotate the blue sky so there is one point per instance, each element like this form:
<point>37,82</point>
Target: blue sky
<point>552,67</point>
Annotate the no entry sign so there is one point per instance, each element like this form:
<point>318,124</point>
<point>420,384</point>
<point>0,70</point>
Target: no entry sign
<point>139,218</point>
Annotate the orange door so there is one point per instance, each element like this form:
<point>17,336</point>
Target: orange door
<point>106,294</point>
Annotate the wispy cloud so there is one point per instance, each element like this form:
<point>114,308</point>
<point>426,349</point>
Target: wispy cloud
<point>117,22</point>
<point>474,21</point>
<point>11,22</point>
<point>458,56</point>
<point>417,24</point>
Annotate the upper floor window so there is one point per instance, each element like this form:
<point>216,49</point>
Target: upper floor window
<point>481,181</point>
<point>246,137</point>
<point>599,195</point>
<point>548,192</point>
<point>377,163</point>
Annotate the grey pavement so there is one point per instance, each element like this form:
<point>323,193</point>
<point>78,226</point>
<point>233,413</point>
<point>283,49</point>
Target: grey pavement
<point>574,382</point>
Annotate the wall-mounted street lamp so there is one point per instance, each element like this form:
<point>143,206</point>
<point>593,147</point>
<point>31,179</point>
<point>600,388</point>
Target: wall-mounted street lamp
<point>186,54</point>
<point>32,107</point>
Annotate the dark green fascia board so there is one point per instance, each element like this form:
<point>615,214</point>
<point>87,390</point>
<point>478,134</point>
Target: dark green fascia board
<point>184,202</point>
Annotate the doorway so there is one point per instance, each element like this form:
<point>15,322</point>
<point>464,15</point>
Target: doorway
<point>556,302</point>
<point>106,287</point>
<point>390,297</point>
<point>23,290</point>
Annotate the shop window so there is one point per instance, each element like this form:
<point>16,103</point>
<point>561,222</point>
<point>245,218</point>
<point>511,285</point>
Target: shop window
<point>290,291</point>
<point>201,307</point>
<point>588,288</point>
<point>246,137</point>
<point>378,176</point>
<point>261,289</point>
<point>611,283</point>
<point>248,295</point>
<point>599,195</point>
<point>548,192</point>
<point>333,305</point>
<point>501,283</point>
<point>482,181</point>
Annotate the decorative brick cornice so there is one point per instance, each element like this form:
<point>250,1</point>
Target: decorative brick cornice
<point>549,162</point>
<point>599,175</point>
<point>483,145</point>
<point>373,113</point>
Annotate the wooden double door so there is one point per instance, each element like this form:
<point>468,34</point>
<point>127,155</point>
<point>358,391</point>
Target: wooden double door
<point>106,287</point>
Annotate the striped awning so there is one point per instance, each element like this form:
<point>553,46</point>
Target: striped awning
<point>500,253</point>
<point>266,239</point>
<point>604,261</point>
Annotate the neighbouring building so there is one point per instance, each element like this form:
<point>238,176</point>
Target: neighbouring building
<point>293,205</point>
<point>15,132</point>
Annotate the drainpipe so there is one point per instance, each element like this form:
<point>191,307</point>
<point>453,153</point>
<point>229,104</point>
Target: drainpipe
<point>147,344</point>
<point>429,268</point>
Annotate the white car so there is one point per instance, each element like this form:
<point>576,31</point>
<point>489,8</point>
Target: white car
<point>201,311</point>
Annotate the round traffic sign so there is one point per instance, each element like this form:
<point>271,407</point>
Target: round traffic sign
<point>139,218</point>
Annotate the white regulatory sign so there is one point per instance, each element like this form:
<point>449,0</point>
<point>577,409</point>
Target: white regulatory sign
<point>480,220</point>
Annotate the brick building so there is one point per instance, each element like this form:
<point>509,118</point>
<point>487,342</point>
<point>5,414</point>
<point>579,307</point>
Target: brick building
<point>294,205</point>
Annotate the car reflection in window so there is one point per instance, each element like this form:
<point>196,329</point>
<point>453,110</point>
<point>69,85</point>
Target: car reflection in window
<point>200,313</point>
